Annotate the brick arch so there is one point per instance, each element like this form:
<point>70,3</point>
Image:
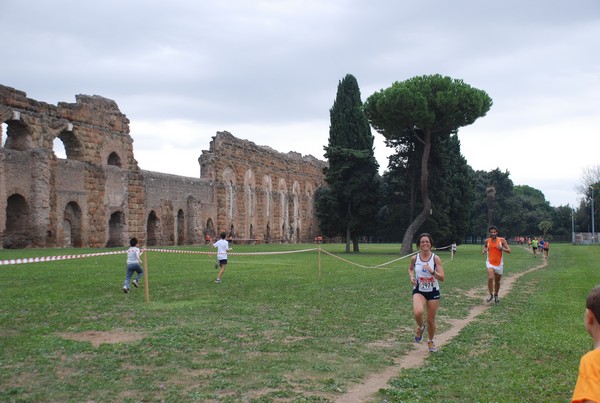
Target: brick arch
<point>309,194</point>
<point>266,203</point>
<point>296,223</point>
<point>17,222</point>
<point>250,203</point>
<point>153,230</point>
<point>116,223</point>
<point>309,201</point>
<point>210,229</point>
<point>229,202</point>
<point>283,210</point>
<point>74,147</point>
<point>180,230</point>
<point>114,159</point>
<point>72,225</point>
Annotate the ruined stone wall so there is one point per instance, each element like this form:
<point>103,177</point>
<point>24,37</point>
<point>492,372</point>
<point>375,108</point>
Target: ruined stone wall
<point>179,196</point>
<point>98,196</point>
<point>261,193</point>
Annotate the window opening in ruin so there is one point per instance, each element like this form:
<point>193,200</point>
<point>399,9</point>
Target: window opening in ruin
<point>116,226</point>
<point>67,146</point>
<point>114,159</point>
<point>3,128</point>
<point>59,148</point>
<point>17,217</point>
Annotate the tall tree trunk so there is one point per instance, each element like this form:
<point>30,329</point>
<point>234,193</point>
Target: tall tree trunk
<point>348,240</point>
<point>491,201</point>
<point>413,198</point>
<point>412,229</point>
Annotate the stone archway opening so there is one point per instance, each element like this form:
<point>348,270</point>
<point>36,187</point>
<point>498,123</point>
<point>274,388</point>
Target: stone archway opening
<point>210,228</point>
<point>17,219</point>
<point>153,230</point>
<point>72,226</point>
<point>180,228</point>
<point>67,145</point>
<point>114,159</point>
<point>116,225</point>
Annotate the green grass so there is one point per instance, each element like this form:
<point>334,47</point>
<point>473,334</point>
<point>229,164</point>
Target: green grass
<point>281,328</point>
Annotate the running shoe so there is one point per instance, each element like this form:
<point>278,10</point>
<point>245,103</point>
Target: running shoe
<point>218,281</point>
<point>125,289</point>
<point>419,335</point>
<point>431,346</point>
<point>496,299</point>
<point>490,299</point>
<point>135,283</point>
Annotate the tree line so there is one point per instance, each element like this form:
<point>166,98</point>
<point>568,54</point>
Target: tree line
<point>428,185</point>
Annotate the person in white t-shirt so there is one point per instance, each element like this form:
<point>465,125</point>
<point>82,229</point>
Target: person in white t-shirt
<point>222,247</point>
<point>133,265</point>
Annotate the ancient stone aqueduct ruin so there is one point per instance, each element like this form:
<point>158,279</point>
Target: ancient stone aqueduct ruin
<point>98,196</point>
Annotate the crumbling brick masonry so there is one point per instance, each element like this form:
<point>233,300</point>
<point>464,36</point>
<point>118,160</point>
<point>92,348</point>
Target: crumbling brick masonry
<point>98,196</point>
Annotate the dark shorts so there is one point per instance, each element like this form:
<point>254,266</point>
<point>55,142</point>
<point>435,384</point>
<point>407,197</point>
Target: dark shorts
<point>435,294</point>
<point>223,261</point>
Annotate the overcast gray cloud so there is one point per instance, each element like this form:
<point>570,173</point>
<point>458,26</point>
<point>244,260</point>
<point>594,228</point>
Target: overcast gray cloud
<point>268,71</point>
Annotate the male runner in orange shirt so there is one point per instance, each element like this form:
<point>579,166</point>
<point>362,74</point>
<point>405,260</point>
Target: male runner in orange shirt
<point>494,247</point>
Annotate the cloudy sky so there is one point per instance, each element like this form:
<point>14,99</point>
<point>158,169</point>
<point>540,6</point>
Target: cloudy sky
<point>268,71</point>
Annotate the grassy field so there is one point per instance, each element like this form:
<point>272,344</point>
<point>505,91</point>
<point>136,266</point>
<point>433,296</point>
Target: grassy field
<point>298,327</point>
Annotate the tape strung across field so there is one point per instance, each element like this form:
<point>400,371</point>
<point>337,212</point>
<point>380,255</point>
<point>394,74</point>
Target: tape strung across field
<point>232,253</point>
<point>82,256</point>
<point>54,258</point>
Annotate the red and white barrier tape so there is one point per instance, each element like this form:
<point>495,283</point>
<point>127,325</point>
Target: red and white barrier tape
<point>54,258</point>
<point>231,253</point>
<point>67,257</point>
<point>81,256</point>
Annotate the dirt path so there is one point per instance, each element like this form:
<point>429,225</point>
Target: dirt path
<point>416,357</point>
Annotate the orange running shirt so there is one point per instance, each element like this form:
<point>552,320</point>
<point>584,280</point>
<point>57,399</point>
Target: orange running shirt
<point>494,254</point>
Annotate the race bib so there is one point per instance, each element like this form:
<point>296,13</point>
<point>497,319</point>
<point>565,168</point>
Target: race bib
<point>426,284</point>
